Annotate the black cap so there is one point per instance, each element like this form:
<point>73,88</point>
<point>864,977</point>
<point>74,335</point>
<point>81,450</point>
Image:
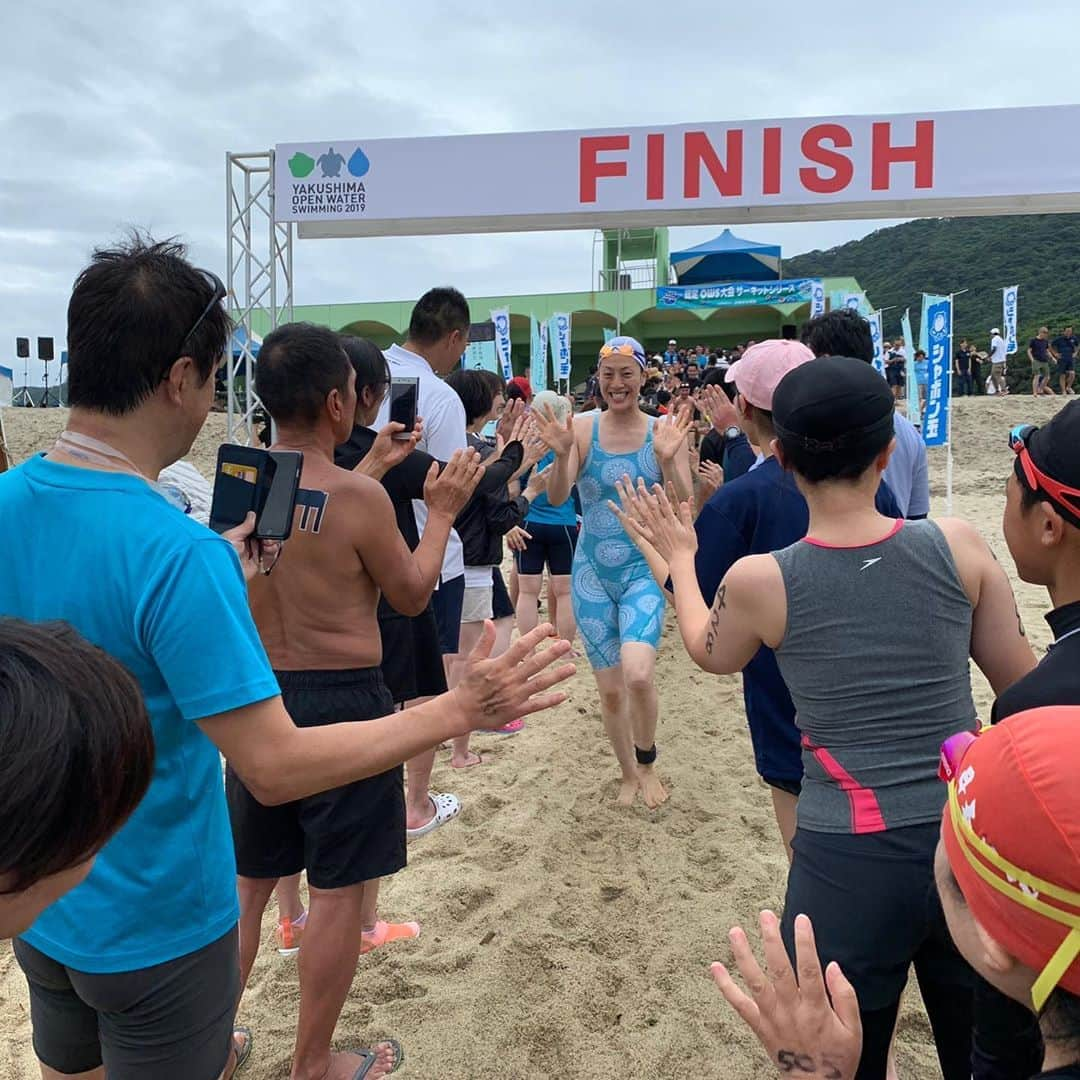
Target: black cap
<point>1055,447</point>
<point>831,405</point>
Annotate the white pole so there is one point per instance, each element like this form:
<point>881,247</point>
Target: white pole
<point>5,457</point>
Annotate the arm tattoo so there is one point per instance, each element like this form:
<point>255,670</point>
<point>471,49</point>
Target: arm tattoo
<point>714,619</point>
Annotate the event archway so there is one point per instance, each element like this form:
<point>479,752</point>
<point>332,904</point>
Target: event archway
<point>805,169</point>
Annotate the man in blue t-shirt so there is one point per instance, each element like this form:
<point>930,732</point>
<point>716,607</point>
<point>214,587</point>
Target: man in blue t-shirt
<point>138,967</point>
<point>758,512</point>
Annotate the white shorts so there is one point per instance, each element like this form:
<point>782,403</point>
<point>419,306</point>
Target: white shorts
<point>476,607</point>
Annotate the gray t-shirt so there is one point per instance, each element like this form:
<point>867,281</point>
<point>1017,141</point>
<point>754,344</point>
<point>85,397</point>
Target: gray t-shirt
<point>875,656</point>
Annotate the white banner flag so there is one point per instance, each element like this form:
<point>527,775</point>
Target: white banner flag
<point>875,336</point>
<point>817,300</point>
<point>1009,299</point>
<point>7,382</point>
<point>560,346</point>
<point>501,318</point>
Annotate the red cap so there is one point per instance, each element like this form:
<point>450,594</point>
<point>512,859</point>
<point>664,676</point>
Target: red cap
<point>523,385</point>
<point>1012,834</point>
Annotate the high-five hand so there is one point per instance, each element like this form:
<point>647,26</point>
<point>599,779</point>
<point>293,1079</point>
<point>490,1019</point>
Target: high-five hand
<point>519,682</point>
<point>558,436</point>
<point>669,433</point>
<point>448,492</point>
<point>802,1032</point>
<point>721,412</point>
<point>649,516</point>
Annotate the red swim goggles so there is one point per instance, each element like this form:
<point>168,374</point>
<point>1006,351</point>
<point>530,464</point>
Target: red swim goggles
<point>1067,498</point>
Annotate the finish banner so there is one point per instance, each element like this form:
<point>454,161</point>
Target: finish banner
<point>738,294</point>
<point>939,360</point>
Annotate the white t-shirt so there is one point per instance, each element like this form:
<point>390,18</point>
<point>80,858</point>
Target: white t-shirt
<point>997,349</point>
<point>444,432</point>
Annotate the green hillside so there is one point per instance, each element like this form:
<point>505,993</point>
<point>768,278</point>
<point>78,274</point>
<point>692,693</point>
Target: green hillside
<point>896,265</point>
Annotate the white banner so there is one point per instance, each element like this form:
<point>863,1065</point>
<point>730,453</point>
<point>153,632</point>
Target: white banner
<point>7,383</point>
<point>1009,304</point>
<point>817,300</point>
<point>501,318</point>
<point>875,166</point>
<point>559,330</point>
<point>876,337</point>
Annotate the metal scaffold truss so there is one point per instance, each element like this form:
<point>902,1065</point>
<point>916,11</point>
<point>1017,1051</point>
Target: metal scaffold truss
<point>260,282</point>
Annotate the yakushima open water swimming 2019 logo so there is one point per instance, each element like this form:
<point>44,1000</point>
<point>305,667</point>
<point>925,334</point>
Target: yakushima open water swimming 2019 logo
<point>329,191</point>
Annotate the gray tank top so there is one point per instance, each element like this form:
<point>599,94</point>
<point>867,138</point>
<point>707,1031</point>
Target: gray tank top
<point>875,656</point>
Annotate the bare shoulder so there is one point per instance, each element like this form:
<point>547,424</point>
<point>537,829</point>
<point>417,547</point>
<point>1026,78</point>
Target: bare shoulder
<point>753,573</point>
<point>351,487</point>
<point>963,537</point>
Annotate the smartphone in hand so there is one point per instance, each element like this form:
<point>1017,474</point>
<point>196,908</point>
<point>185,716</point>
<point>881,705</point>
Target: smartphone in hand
<point>404,394</point>
<point>252,479</point>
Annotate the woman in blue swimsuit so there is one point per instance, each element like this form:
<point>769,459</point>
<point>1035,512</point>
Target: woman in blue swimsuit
<point>618,606</point>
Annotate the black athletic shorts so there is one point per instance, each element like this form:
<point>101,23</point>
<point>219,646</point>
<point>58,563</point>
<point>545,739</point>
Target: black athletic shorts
<point>172,1021</point>
<point>792,787</point>
<point>551,545</point>
<point>342,836</point>
<point>875,909</point>
<point>412,664</point>
<point>894,376</point>
<point>501,608</point>
<point>448,600</point>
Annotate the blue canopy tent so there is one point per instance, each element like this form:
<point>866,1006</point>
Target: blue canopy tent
<point>727,258</point>
<point>240,338</point>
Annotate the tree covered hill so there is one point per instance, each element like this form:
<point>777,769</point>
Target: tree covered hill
<point>896,265</point>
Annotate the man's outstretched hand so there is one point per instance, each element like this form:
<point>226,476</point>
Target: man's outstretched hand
<point>494,692</point>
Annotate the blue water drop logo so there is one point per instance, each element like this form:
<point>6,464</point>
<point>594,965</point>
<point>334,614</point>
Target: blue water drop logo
<point>358,163</point>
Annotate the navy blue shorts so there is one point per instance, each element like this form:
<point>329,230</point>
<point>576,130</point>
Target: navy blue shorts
<point>501,608</point>
<point>551,546</point>
<point>447,602</point>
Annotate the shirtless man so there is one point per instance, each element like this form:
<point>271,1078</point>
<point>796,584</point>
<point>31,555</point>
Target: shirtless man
<point>316,616</point>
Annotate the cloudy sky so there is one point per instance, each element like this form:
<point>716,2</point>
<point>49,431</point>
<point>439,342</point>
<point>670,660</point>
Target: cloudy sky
<point>119,113</point>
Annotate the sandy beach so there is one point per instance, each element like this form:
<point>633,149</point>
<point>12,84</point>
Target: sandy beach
<point>563,937</point>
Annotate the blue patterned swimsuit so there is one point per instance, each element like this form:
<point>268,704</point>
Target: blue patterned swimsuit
<point>615,597</point>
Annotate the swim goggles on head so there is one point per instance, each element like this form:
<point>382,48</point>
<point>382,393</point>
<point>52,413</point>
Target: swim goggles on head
<point>623,348</point>
<point>1043,897</point>
<point>1067,498</point>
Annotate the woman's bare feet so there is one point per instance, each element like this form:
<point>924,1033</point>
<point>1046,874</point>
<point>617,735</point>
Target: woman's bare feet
<point>652,791</point>
<point>467,761</point>
<point>628,790</point>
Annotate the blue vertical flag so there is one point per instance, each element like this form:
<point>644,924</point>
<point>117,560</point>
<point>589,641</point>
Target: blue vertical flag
<point>538,355</point>
<point>939,368</point>
<point>875,337</point>
<point>1009,298</point>
<point>559,334</point>
<point>608,334</point>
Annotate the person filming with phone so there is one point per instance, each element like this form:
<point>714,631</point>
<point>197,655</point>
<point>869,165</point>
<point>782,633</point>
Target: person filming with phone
<point>137,971</point>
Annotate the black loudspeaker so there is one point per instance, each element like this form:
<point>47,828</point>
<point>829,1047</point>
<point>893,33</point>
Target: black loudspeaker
<point>22,348</point>
<point>45,348</point>
<point>789,331</point>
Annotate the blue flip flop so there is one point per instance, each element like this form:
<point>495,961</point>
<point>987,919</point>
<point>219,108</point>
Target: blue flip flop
<point>370,1057</point>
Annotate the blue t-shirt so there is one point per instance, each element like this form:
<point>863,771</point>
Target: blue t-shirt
<point>761,511</point>
<point>166,597</point>
<point>922,372</point>
<point>543,513</point>
<point>907,474</point>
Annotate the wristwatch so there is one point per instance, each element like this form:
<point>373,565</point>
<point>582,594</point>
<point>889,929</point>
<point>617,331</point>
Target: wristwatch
<point>732,432</point>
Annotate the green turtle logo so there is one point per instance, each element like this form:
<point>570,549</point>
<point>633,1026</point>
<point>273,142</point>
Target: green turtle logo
<point>301,165</point>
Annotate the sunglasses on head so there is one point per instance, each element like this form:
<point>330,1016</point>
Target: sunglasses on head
<point>218,292</point>
<point>1067,498</point>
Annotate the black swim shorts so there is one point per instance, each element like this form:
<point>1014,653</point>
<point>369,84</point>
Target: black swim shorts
<point>172,1021</point>
<point>552,546</point>
<point>501,608</point>
<point>447,601</point>
<point>342,836</point>
<point>412,655</point>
